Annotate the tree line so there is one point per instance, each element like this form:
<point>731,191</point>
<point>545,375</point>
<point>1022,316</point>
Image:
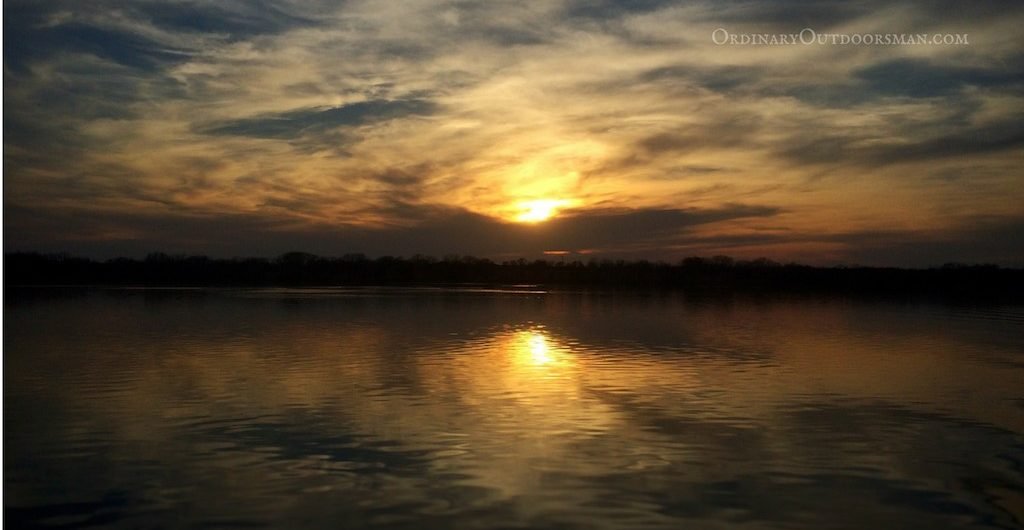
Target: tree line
<point>694,273</point>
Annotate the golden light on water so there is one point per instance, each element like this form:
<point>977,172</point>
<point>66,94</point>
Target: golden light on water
<point>535,348</point>
<point>539,351</point>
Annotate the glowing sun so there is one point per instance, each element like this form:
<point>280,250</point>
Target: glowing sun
<point>539,210</point>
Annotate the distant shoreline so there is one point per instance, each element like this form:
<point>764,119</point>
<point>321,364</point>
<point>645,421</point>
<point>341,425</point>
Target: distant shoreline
<point>715,274</point>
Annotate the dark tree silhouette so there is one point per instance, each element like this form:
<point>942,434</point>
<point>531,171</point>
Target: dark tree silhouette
<point>694,274</point>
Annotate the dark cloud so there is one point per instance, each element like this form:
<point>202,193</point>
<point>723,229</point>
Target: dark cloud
<point>855,148</point>
<point>503,36</point>
<point>997,240</point>
<point>105,91</point>
<point>993,239</point>
<point>293,124</point>
<point>236,20</point>
<point>611,18</point>
<point>639,228</point>
<point>789,15</point>
<point>233,20</point>
<point>27,45</point>
<point>399,184</point>
<point>442,230</point>
<point>439,230</point>
<point>996,137</point>
<point>612,9</point>
<point>727,131</point>
<point>823,15</point>
<point>30,36</point>
<point>838,95</point>
<point>718,78</point>
<point>426,229</point>
<point>51,90</point>
<point>690,170</point>
<point>902,77</point>
<point>495,23</point>
<point>35,32</point>
<point>398,178</point>
<point>921,79</point>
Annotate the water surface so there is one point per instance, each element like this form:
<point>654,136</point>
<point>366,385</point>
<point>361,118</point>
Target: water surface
<point>491,408</point>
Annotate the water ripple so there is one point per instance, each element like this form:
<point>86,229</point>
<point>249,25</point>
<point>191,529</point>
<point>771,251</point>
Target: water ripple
<point>484,408</point>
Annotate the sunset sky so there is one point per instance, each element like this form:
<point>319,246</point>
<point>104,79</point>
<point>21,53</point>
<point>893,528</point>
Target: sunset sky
<point>511,129</point>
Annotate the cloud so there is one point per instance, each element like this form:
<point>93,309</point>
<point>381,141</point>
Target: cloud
<point>236,20</point>
<point>715,78</point>
<point>297,123</point>
<point>626,109</point>
<point>979,240</point>
<point>613,9</point>
<point>424,229</point>
<point>788,14</point>
<point>920,78</point>
<point>639,229</point>
<point>726,132</point>
<point>34,33</point>
<point>972,240</point>
<point>996,137</point>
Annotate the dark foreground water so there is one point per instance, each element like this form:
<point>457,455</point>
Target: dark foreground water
<point>481,409</point>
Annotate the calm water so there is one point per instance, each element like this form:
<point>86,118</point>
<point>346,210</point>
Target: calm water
<point>482,409</point>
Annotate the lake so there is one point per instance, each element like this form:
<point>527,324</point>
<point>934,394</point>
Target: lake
<point>508,408</point>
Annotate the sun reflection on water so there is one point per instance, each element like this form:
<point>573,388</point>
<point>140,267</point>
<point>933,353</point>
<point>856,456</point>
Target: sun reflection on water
<point>536,348</point>
<point>539,351</point>
<point>500,411</point>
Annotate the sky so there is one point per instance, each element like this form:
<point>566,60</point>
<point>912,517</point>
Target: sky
<point>580,129</point>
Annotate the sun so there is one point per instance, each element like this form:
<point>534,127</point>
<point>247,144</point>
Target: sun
<point>539,210</point>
